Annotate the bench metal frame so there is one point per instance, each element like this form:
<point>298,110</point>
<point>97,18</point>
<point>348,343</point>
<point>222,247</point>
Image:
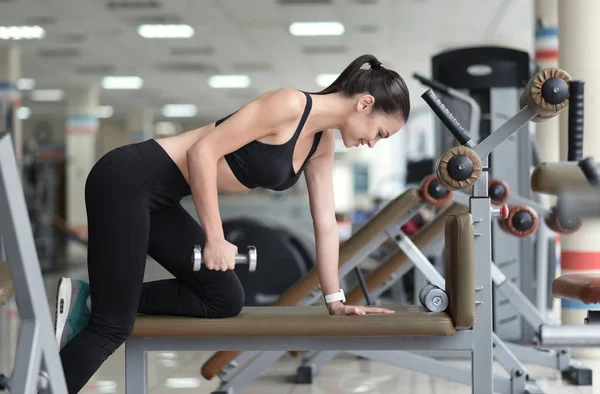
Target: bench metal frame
<point>37,360</point>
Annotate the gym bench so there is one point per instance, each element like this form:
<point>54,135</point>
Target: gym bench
<point>276,329</point>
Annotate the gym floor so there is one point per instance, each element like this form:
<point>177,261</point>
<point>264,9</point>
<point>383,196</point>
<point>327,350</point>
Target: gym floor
<point>178,372</point>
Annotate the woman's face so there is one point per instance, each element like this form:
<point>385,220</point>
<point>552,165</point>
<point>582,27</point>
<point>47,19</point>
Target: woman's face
<point>365,127</point>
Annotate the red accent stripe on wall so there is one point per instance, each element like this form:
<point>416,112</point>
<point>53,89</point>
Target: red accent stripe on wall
<point>546,54</point>
<point>571,260</point>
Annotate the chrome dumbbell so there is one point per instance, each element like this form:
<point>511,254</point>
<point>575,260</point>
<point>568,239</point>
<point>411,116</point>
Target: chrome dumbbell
<point>240,258</point>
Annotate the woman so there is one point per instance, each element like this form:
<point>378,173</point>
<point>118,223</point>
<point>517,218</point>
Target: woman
<point>132,200</point>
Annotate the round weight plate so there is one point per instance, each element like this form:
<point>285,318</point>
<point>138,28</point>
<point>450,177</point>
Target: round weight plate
<point>279,265</point>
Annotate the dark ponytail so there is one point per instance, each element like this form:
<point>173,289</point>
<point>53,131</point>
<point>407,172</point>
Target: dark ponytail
<point>388,88</point>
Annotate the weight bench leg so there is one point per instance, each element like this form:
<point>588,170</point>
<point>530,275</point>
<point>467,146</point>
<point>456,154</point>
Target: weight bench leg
<point>309,367</point>
<point>244,376</point>
<point>136,367</point>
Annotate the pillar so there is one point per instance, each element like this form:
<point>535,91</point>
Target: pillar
<point>546,55</point>
<point>10,96</point>
<point>580,57</point>
<point>81,133</point>
<point>140,124</point>
<point>547,134</point>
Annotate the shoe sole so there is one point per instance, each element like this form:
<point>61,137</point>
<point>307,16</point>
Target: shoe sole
<point>63,302</point>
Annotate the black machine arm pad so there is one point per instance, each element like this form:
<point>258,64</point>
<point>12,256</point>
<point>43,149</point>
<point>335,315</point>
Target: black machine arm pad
<point>575,150</point>
<point>446,116</point>
<point>432,83</point>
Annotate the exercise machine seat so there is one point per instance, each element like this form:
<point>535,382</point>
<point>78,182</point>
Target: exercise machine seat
<point>6,285</point>
<point>578,287</point>
<point>396,260</point>
<point>299,321</point>
<point>549,178</point>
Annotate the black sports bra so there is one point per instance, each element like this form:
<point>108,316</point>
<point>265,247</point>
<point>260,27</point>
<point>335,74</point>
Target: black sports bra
<point>257,164</point>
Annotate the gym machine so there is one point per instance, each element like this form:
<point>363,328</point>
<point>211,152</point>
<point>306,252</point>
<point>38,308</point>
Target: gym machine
<point>494,77</point>
<point>560,359</point>
<point>512,304</point>
<point>250,364</point>
<point>574,203</point>
<point>37,363</point>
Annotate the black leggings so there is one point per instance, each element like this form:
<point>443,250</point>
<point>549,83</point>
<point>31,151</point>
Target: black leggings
<point>132,200</point>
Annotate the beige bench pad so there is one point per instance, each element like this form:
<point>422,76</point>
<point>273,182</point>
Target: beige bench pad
<point>578,287</point>
<point>460,269</point>
<point>300,321</point>
<point>6,285</point>
<point>549,178</point>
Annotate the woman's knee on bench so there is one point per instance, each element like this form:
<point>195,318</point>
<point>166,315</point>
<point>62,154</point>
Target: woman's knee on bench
<point>220,296</point>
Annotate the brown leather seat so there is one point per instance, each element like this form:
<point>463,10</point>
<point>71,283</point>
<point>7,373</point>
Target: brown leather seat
<point>294,321</point>
<point>578,287</point>
<point>6,285</point>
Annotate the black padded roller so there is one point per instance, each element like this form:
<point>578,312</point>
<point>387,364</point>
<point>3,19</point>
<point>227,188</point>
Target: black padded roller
<point>432,83</point>
<point>575,152</point>
<point>590,170</point>
<point>446,117</point>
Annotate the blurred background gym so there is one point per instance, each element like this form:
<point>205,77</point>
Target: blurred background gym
<point>79,78</point>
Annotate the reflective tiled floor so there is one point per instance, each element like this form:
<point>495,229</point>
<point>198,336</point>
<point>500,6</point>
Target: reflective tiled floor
<point>178,372</point>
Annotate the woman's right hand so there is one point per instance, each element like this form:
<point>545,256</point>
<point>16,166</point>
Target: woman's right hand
<point>219,255</point>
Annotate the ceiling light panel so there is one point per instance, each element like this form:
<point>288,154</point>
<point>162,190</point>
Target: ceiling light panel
<point>166,31</point>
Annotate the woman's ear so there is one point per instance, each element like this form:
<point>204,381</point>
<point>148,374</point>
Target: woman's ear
<point>365,102</point>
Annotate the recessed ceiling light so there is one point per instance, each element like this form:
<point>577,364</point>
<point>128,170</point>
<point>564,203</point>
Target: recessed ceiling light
<point>166,31</point>
<point>21,32</point>
<point>122,82</point>
<point>317,29</point>
<point>229,81</point>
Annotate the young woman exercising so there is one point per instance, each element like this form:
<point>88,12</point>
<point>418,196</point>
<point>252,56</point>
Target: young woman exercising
<point>132,199</point>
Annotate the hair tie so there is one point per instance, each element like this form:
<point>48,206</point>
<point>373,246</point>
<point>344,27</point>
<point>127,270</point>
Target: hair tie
<point>376,65</point>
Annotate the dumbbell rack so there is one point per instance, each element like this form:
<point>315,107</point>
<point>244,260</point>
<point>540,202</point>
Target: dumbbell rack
<point>37,363</point>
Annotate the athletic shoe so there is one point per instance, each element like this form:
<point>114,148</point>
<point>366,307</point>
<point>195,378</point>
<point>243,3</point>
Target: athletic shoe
<point>72,310</point>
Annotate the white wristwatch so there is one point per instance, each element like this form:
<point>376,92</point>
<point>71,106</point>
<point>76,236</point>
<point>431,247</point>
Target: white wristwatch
<point>339,296</point>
